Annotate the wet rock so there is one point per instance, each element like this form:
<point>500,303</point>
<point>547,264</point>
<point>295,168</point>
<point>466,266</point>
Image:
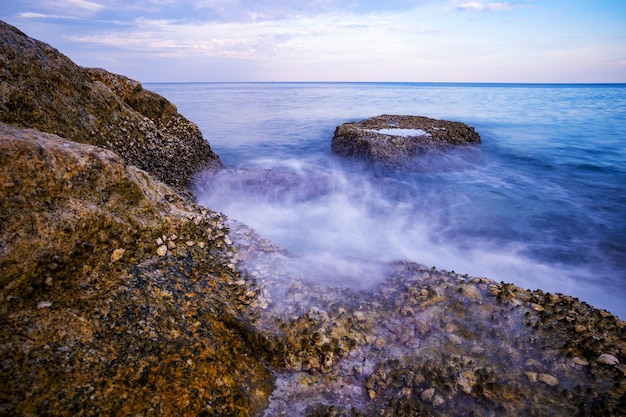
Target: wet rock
<point>548,380</point>
<point>394,139</point>
<point>43,89</point>
<point>607,359</point>
<point>80,334</point>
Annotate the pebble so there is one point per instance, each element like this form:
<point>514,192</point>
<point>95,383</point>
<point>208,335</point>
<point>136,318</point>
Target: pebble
<point>548,380</point>
<point>579,362</point>
<point>607,359</point>
<point>43,304</point>
<point>427,395</point>
<point>117,255</point>
<point>161,250</point>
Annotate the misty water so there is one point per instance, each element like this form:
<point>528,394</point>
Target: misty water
<point>540,203</point>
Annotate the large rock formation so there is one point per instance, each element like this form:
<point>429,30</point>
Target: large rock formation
<point>43,89</point>
<point>394,140</point>
<point>117,295</point>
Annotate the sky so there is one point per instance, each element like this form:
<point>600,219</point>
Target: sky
<point>536,41</point>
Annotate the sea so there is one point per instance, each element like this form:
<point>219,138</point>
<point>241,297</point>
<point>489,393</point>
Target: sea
<point>541,203</point>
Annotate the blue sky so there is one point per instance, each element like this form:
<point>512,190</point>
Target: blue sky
<point>335,40</point>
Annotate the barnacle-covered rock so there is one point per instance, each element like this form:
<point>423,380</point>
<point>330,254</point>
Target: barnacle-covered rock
<point>43,89</point>
<point>395,139</point>
<point>99,315</point>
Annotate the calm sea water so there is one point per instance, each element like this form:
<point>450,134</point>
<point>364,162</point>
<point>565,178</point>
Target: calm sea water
<point>540,203</point>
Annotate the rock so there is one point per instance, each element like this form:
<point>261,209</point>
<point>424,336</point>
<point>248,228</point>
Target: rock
<point>117,254</point>
<point>548,380</point>
<point>427,395</point>
<point>43,89</point>
<point>120,335</point>
<point>394,140</point>
<point>607,359</point>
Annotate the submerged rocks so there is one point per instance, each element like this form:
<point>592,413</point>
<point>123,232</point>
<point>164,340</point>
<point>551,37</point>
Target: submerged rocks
<point>43,89</point>
<point>394,140</point>
<point>428,342</point>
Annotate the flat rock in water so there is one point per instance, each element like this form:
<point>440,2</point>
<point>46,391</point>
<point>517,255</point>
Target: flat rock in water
<point>395,139</point>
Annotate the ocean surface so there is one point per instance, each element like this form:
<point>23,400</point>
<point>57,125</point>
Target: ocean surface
<point>540,203</point>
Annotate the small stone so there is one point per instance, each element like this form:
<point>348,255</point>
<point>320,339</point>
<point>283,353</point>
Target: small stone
<point>427,395</point>
<point>438,401</point>
<point>48,281</point>
<point>607,359</point>
<point>579,328</point>
<point>548,380</point>
<point>171,244</point>
<point>162,250</point>
<point>537,307</point>
<point>117,255</point>
<point>579,362</point>
<point>159,241</point>
<point>533,363</point>
<point>372,394</point>
<point>190,243</point>
<point>43,304</point>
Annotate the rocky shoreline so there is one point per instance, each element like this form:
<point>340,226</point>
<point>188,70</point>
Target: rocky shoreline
<point>122,296</point>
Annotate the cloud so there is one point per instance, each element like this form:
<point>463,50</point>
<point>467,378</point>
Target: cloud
<point>296,37</point>
<point>481,6</point>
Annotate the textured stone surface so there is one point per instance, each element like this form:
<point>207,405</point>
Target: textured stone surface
<point>92,320</point>
<point>363,139</point>
<point>43,89</point>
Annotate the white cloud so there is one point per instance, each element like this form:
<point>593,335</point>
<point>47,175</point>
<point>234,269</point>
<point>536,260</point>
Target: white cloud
<point>298,37</point>
<point>481,6</point>
<point>82,4</point>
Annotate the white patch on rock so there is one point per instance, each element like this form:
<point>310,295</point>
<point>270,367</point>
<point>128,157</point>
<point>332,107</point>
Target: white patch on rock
<point>400,132</point>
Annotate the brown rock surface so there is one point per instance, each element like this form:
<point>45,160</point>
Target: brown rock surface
<point>92,320</point>
<point>375,138</point>
<point>43,89</point>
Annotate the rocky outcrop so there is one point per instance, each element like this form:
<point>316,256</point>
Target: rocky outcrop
<point>394,140</point>
<point>43,89</point>
<point>117,295</point>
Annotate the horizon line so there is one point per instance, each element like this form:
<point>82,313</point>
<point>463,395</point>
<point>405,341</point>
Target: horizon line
<point>395,82</point>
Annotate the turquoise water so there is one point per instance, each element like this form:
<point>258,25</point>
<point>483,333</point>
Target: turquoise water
<point>540,203</point>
